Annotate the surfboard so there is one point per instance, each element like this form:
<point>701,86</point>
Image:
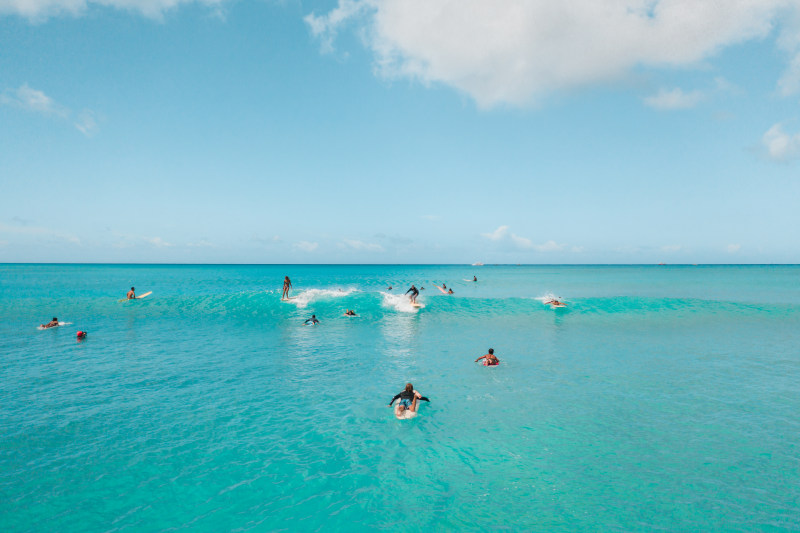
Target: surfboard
<point>471,280</point>
<point>418,306</point>
<point>138,297</point>
<point>444,291</point>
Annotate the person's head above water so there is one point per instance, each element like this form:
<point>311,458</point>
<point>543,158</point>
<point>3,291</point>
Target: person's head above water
<point>55,319</point>
<point>133,289</point>
<point>491,351</point>
<point>409,387</point>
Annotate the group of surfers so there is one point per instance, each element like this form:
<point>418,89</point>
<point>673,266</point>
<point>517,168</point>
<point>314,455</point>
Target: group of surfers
<point>410,398</point>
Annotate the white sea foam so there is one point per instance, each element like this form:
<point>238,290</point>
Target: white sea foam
<point>308,296</point>
<point>400,302</point>
<point>547,297</point>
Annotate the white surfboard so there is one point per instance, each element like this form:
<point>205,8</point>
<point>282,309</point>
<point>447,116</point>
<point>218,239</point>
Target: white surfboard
<point>145,295</point>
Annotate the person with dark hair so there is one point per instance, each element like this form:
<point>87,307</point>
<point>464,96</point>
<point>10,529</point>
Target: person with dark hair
<point>414,293</point>
<point>311,321</point>
<point>132,294</point>
<point>409,398</point>
<point>287,286</point>
<point>52,324</point>
<point>490,359</point>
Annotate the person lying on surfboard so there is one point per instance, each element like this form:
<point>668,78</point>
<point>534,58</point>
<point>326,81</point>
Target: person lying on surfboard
<point>350,312</point>
<point>53,323</point>
<point>409,398</point>
<point>132,294</point>
<point>313,321</point>
<point>414,293</point>
<point>491,360</point>
<point>555,303</point>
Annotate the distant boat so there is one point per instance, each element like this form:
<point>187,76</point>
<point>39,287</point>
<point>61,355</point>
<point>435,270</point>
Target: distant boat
<point>477,264</point>
<point>661,264</point>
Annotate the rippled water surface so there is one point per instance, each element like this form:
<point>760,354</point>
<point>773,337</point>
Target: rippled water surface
<point>659,398</point>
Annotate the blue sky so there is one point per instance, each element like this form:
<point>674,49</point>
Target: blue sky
<point>399,131</point>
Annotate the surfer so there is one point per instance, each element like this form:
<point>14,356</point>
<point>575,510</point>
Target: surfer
<point>52,324</point>
<point>313,321</point>
<point>132,294</point>
<point>287,285</point>
<point>450,291</point>
<point>409,399</point>
<point>350,312</point>
<point>555,303</point>
<point>474,278</point>
<point>414,293</point>
<point>491,360</point>
<point>390,288</point>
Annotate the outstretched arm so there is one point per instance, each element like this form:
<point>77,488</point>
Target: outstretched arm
<point>396,396</point>
<point>481,357</point>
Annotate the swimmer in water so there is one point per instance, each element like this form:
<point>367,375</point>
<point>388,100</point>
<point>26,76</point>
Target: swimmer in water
<point>491,360</point>
<point>52,324</point>
<point>409,399</point>
<point>81,335</point>
<point>474,278</point>
<point>555,303</point>
<point>449,291</point>
<point>414,293</point>
<point>350,312</point>
<point>132,294</point>
<point>313,321</point>
<point>287,286</point>
<point>390,288</point>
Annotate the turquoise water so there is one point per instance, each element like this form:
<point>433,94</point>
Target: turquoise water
<point>660,398</point>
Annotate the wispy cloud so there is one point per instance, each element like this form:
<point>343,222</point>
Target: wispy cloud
<point>671,248</point>
<point>733,248</point>
<point>38,10</point>
<point>41,232</point>
<point>360,245</point>
<point>306,246</point>
<point>669,99</point>
<point>502,234</point>
<point>779,145</point>
<point>158,242</point>
<point>36,101</point>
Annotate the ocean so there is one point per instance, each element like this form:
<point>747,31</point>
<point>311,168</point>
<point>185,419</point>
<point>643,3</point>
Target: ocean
<point>660,398</point>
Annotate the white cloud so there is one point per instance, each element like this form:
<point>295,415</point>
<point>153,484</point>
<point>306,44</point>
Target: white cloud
<point>360,245</point>
<point>780,145</point>
<point>35,231</point>
<point>502,234</point>
<point>37,101</point>
<point>42,9</point>
<point>497,234</point>
<point>158,242</point>
<point>86,122</point>
<point>733,248</point>
<point>306,246</point>
<point>33,100</point>
<point>674,99</point>
<point>516,51</point>
<point>200,244</point>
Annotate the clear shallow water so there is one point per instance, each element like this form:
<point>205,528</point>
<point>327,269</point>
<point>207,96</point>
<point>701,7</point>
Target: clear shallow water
<point>661,398</point>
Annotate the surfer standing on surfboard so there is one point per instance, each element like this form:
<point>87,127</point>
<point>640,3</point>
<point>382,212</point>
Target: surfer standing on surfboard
<point>132,294</point>
<point>287,286</point>
<point>414,293</point>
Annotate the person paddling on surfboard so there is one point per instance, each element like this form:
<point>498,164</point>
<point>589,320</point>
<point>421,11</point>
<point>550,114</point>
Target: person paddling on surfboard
<point>490,359</point>
<point>409,399</point>
<point>414,293</point>
<point>287,286</point>
<point>53,323</point>
<point>132,294</point>
<point>312,321</point>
